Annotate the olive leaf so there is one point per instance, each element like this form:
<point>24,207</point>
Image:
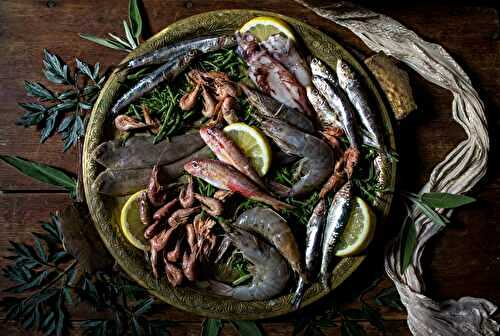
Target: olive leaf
<point>389,297</point>
<point>408,241</point>
<point>41,172</point>
<point>211,327</point>
<point>246,328</point>
<point>135,19</point>
<point>445,200</point>
<point>351,328</point>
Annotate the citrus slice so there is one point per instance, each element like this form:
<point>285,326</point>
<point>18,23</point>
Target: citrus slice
<point>358,232</point>
<point>253,144</point>
<point>131,224</point>
<point>264,26</point>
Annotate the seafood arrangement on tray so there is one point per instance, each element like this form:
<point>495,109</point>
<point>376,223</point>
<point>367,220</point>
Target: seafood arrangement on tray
<point>246,160</point>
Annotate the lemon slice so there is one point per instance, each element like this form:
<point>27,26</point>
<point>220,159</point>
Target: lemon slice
<point>253,144</point>
<point>358,232</point>
<point>264,26</point>
<point>131,224</point>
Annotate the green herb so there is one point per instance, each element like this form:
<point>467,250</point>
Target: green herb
<point>246,328</point>
<point>41,172</point>
<point>211,327</point>
<point>44,275</point>
<point>389,297</point>
<point>445,200</point>
<point>62,112</point>
<point>132,30</point>
<point>204,188</point>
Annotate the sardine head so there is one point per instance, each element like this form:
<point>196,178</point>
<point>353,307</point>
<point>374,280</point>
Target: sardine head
<point>344,72</point>
<point>195,168</point>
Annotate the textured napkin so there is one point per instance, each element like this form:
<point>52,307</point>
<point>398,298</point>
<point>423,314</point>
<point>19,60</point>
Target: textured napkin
<point>461,170</point>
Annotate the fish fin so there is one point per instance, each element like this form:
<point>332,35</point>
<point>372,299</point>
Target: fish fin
<point>220,288</point>
<point>298,295</point>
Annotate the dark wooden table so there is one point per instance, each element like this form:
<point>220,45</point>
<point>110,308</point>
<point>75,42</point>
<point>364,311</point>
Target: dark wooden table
<point>463,260</point>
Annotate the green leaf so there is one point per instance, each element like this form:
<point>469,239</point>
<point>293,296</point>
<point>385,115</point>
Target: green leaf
<point>373,316</point>
<point>143,306</point>
<point>389,297</point>
<point>105,42</point>
<point>445,200</point>
<point>351,328</point>
<point>408,241</point>
<point>84,68</point>
<point>128,34</point>
<point>65,106</point>
<point>430,213</point>
<point>55,70</point>
<point>211,327</point>
<point>38,90</point>
<point>135,19</point>
<point>48,128</point>
<point>121,41</point>
<point>246,328</point>
<point>41,172</point>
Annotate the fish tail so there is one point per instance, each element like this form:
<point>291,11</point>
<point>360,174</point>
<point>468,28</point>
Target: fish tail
<point>220,288</point>
<point>298,295</point>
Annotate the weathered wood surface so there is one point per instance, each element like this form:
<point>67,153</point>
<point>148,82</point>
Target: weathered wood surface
<point>464,259</point>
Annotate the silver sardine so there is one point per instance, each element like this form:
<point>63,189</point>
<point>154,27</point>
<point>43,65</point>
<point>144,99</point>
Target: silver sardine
<point>326,115</point>
<point>336,220</point>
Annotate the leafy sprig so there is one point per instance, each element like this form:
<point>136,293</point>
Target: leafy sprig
<point>132,30</point>
<point>63,112</point>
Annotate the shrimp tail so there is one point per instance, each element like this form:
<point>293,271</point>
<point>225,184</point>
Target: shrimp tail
<point>220,288</point>
<point>298,295</point>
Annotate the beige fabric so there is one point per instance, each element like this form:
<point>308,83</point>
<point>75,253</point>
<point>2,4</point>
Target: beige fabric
<point>462,168</point>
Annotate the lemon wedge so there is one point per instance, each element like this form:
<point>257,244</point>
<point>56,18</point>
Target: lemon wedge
<point>253,144</point>
<point>131,224</point>
<point>264,26</point>
<point>358,232</point>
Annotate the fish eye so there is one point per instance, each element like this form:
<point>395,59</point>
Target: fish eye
<point>195,165</point>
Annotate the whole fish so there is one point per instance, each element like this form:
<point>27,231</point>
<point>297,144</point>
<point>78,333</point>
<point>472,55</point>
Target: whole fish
<point>226,177</point>
<point>350,82</point>
<point>270,274</point>
<point>318,68</point>
<point>119,182</point>
<point>336,220</point>
<point>285,52</point>
<point>326,115</point>
<point>271,77</point>
<point>167,71</point>
<point>140,152</point>
<point>269,107</point>
<point>317,161</point>
<point>338,100</point>
<point>274,228</point>
<point>203,44</point>
<point>314,235</point>
<point>228,152</point>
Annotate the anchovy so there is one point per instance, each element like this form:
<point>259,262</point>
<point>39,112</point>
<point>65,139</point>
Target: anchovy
<point>314,235</point>
<point>336,220</point>
<point>337,99</point>
<point>203,44</point>
<point>326,115</point>
<point>140,152</point>
<point>269,107</point>
<point>285,52</point>
<point>168,71</point>
<point>349,81</point>
<point>320,69</point>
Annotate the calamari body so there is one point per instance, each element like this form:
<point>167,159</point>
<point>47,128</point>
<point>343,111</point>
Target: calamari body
<point>336,220</point>
<point>283,50</point>
<point>271,77</point>
<point>274,228</point>
<point>227,151</point>
<point>269,107</point>
<point>349,81</point>
<point>226,177</point>
<point>119,182</point>
<point>317,157</point>
<point>140,152</point>
<point>167,71</point>
<point>203,44</point>
<point>271,271</point>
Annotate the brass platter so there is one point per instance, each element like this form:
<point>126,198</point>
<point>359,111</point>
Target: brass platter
<point>105,210</point>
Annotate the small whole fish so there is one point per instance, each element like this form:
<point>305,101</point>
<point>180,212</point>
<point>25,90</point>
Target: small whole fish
<point>336,220</point>
<point>167,71</point>
<point>350,82</point>
<point>227,151</point>
<point>318,68</point>
<point>284,51</point>
<point>326,115</point>
<point>226,177</point>
<point>314,235</point>
<point>271,76</point>
<point>337,99</point>
<point>270,108</point>
<point>203,44</point>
